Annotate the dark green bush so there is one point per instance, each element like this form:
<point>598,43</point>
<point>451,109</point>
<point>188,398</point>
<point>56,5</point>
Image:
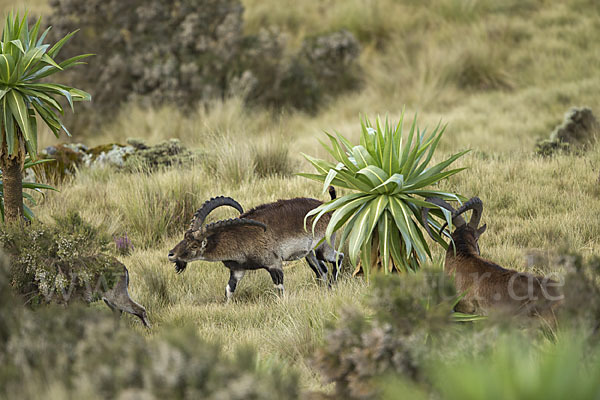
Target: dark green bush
<point>407,311</point>
<point>185,52</point>
<point>8,309</point>
<point>57,262</point>
<point>404,345</point>
<point>325,66</point>
<point>80,352</point>
<point>332,60</point>
<point>156,51</point>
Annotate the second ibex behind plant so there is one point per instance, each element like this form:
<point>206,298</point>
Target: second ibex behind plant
<point>262,238</point>
<point>487,285</point>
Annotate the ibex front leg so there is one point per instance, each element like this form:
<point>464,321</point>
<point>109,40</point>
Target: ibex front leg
<point>277,276</point>
<point>235,275</point>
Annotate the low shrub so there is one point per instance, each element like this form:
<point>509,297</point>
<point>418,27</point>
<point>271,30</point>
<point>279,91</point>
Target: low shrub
<point>79,352</point>
<point>362,348</point>
<point>59,262</point>
<point>135,156</point>
<point>169,153</point>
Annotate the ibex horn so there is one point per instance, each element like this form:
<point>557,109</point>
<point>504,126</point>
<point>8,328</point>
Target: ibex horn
<point>476,205</point>
<point>457,219</point>
<point>210,205</point>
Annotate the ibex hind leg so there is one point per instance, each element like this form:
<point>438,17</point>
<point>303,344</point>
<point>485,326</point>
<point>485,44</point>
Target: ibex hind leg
<point>318,267</point>
<point>337,265</point>
<point>326,253</point>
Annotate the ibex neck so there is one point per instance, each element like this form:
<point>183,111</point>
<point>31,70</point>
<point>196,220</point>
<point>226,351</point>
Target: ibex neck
<point>462,246</point>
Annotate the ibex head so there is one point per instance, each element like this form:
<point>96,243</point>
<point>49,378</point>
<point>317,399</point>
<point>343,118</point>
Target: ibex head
<point>197,239</point>
<point>465,233</point>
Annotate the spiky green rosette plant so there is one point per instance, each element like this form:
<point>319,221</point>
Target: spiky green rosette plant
<point>389,178</point>
<point>24,61</point>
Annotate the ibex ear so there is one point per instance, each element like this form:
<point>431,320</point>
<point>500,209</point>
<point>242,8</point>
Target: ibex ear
<point>481,230</point>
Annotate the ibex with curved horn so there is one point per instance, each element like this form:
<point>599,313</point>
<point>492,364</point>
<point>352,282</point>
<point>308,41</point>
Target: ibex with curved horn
<point>487,285</point>
<point>261,238</point>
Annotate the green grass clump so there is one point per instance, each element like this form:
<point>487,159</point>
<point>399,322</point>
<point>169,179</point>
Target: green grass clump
<point>479,67</point>
<point>515,369</point>
<point>272,159</point>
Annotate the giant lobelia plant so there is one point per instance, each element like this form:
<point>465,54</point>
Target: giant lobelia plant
<point>24,61</point>
<point>388,176</point>
<point>34,186</point>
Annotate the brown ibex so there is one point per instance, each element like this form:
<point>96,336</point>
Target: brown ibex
<point>109,284</point>
<point>487,285</point>
<point>261,238</point>
<point>117,297</point>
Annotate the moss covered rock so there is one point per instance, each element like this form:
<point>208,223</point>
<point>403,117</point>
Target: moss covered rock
<point>165,154</point>
<point>579,129</point>
<point>134,156</point>
<point>67,158</point>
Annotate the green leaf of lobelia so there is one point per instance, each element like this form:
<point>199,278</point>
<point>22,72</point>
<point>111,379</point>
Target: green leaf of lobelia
<point>387,177</point>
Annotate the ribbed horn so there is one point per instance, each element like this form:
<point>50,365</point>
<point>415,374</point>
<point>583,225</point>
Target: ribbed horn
<point>457,219</point>
<point>476,205</point>
<point>210,205</point>
<point>219,225</point>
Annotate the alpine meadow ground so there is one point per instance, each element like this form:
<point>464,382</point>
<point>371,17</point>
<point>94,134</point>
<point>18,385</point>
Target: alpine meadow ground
<point>500,75</point>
